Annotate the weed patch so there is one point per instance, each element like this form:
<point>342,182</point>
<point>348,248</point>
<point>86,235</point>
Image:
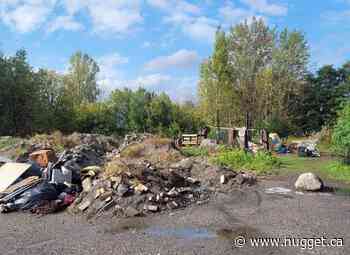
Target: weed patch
<point>261,163</point>
<point>195,152</point>
<point>339,171</point>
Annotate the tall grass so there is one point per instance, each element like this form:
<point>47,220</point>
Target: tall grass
<point>339,171</point>
<point>195,152</point>
<point>261,163</point>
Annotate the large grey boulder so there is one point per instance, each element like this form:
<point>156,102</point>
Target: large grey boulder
<point>309,182</point>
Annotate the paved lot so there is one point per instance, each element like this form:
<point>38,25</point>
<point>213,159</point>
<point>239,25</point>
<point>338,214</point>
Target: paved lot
<point>207,229</point>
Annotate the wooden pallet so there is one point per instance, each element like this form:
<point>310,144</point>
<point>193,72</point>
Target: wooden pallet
<point>190,140</point>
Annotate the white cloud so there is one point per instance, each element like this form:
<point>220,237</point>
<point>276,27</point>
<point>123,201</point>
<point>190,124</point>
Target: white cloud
<point>233,15</point>
<point>25,15</point>
<point>65,23</point>
<point>187,18</point>
<point>262,6</point>
<point>180,59</point>
<point>201,29</point>
<point>112,16</point>
<point>179,6</point>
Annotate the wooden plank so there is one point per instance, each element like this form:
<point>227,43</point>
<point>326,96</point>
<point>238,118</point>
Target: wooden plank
<point>10,172</point>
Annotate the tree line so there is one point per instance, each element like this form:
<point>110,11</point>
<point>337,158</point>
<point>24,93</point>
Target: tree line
<point>44,101</point>
<point>264,72</point>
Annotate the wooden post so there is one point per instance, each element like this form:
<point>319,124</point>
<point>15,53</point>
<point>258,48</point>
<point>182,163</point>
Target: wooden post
<point>246,135</point>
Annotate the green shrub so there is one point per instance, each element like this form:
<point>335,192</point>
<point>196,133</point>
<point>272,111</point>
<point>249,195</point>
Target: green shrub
<point>339,171</point>
<point>341,133</point>
<point>261,162</point>
<point>195,152</point>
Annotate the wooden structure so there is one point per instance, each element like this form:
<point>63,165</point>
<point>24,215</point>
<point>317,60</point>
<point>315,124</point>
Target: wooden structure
<point>191,140</point>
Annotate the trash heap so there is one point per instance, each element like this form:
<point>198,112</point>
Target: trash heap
<point>45,183</point>
<point>144,175</point>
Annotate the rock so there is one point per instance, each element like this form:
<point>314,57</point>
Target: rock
<point>172,205</point>
<point>151,208</point>
<point>185,164</point>
<point>131,212</point>
<point>192,180</point>
<point>245,178</point>
<point>84,205</point>
<point>222,179</point>
<point>87,184</point>
<point>309,182</point>
<point>116,181</point>
<point>140,188</point>
<point>122,189</point>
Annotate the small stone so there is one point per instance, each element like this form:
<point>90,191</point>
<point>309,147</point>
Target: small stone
<point>141,188</point>
<point>192,180</point>
<point>152,208</point>
<point>84,205</point>
<point>106,195</point>
<point>131,212</point>
<point>87,184</point>
<point>116,181</point>
<point>184,189</point>
<point>99,192</point>
<point>122,189</point>
<point>173,193</point>
<point>172,205</point>
<point>222,179</point>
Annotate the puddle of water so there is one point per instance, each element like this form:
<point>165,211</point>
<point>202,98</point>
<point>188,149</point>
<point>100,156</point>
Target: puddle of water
<point>278,190</point>
<point>186,233</point>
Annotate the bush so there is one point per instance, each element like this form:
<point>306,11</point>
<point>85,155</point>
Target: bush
<point>261,162</point>
<point>339,171</point>
<point>341,133</point>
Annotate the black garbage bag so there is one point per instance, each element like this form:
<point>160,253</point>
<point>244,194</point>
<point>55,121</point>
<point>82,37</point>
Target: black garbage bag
<point>36,196</point>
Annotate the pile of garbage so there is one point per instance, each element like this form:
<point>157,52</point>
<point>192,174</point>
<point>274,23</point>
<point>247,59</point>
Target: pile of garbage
<point>42,183</point>
<point>144,175</point>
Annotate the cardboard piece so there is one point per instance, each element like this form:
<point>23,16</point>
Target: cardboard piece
<point>10,172</point>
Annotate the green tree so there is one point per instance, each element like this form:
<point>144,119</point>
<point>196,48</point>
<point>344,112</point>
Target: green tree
<point>81,81</point>
<point>18,95</point>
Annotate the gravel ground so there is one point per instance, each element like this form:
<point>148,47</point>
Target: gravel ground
<point>206,229</point>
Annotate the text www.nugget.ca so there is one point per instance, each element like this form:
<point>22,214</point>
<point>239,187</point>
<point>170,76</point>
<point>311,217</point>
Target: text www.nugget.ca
<point>275,242</point>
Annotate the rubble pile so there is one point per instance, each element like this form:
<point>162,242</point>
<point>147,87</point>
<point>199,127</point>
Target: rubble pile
<point>140,189</point>
<point>144,175</point>
<point>152,176</point>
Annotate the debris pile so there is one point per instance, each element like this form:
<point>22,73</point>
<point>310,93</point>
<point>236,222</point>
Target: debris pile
<point>140,189</point>
<point>45,183</point>
<point>144,175</point>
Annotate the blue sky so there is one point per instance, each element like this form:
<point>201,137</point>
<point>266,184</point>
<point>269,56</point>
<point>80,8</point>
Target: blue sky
<point>159,44</point>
